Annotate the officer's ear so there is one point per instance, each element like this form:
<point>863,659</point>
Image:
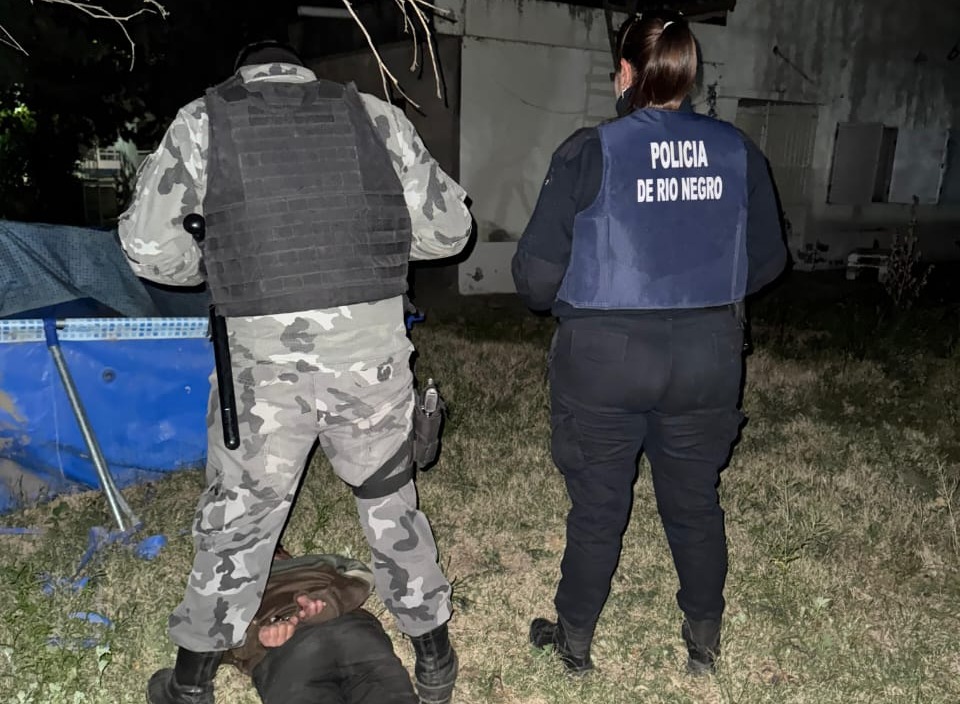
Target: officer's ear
<point>624,77</point>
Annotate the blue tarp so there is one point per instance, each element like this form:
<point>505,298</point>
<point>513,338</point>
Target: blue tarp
<point>45,265</point>
<point>143,381</point>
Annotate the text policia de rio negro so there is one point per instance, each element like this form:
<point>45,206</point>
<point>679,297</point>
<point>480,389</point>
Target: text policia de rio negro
<point>684,154</point>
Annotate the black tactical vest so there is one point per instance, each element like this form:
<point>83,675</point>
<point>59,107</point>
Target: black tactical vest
<point>303,208</point>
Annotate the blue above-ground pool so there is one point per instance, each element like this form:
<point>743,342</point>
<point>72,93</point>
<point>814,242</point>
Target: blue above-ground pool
<point>143,383</point>
<point>137,354</point>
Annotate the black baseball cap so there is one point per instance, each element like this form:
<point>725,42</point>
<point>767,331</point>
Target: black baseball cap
<point>268,51</point>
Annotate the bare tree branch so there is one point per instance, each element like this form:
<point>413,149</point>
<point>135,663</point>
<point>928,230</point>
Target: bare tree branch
<point>405,6</point>
<point>10,41</point>
<point>384,71</point>
<point>429,39</point>
<point>150,7</point>
<point>436,10</point>
<point>418,8</point>
<point>408,28</point>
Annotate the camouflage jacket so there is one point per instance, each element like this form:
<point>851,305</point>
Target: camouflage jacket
<point>171,184</point>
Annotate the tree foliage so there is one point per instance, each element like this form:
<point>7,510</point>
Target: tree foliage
<point>75,87</point>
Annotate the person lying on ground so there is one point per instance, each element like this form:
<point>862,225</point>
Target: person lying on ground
<point>312,643</point>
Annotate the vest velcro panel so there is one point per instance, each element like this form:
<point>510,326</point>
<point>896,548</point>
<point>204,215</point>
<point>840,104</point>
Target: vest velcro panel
<point>304,209</point>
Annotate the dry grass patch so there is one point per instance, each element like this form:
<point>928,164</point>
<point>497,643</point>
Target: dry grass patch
<point>841,503</point>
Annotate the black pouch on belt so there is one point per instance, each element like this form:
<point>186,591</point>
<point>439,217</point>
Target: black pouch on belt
<point>428,415</point>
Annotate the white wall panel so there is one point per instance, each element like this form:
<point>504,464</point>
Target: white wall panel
<point>519,102</point>
<point>918,165</point>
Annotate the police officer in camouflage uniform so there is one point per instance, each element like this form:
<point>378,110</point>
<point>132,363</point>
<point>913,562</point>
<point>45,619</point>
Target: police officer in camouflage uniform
<point>315,197</point>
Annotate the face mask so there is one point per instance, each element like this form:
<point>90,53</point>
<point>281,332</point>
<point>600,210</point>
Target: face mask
<point>624,102</point>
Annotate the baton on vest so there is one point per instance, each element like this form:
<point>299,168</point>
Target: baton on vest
<point>197,227</point>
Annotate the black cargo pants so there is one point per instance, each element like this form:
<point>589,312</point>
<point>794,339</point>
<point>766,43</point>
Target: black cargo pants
<point>668,383</point>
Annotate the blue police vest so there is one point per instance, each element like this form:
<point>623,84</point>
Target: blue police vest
<point>668,227</point>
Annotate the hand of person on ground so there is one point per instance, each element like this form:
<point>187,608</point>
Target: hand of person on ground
<point>276,634</point>
<point>308,607</point>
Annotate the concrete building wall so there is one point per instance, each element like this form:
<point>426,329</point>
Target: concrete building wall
<point>786,71</point>
<point>856,61</point>
<point>532,73</point>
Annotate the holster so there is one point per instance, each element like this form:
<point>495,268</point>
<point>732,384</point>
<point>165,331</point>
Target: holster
<point>427,428</point>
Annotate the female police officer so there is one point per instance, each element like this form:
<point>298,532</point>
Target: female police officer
<point>649,232</point>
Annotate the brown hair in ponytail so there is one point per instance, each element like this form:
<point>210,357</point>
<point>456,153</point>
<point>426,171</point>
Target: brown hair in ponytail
<point>663,55</point>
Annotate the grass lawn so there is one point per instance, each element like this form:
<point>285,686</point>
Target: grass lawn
<point>842,515</point>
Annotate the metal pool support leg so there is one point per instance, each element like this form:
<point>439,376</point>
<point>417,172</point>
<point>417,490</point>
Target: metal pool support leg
<point>121,511</point>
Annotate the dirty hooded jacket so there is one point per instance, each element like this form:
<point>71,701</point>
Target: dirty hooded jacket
<point>343,585</point>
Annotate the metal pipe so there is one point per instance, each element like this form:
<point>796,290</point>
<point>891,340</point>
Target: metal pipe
<point>118,506</point>
<point>328,12</point>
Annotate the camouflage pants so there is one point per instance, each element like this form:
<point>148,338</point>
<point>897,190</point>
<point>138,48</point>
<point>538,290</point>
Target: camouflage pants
<point>362,415</point>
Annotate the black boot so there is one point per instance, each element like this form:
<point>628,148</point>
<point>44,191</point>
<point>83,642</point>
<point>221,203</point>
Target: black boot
<point>436,666</point>
<point>703,645</point>
<point>189,682</point>
<point>572,646</point>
